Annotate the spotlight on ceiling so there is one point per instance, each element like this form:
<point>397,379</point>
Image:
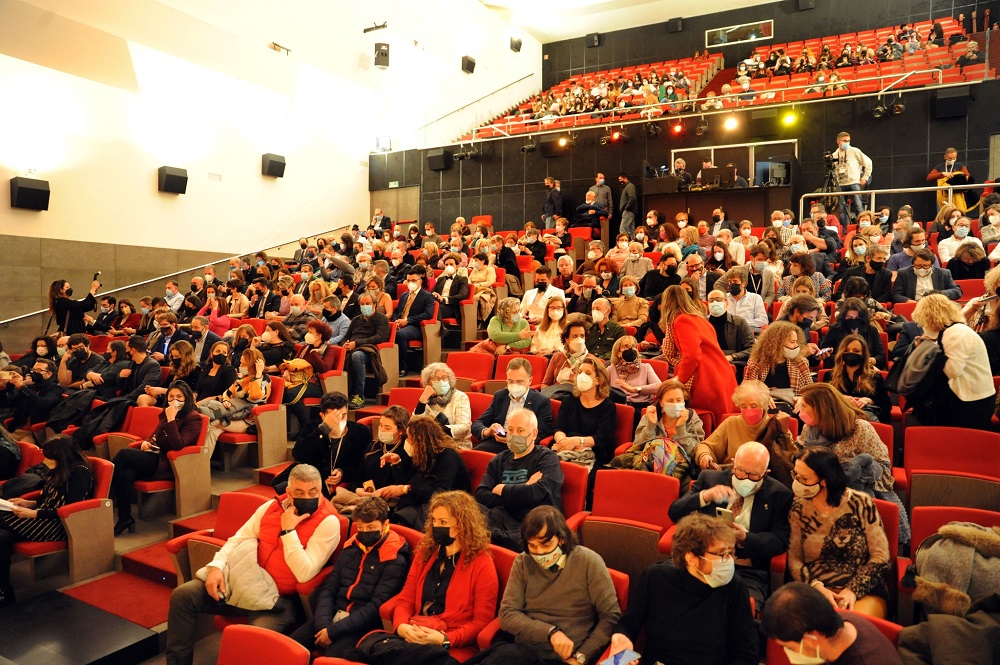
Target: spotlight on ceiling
<point>653,130</point>
<point>471,153</point>
<point>898,107</point>
<point>731,122</point>
<point>702,127</point>
<point>789,118</point>
<point>879,111</point>
<point>567,141</point>
<point>529,146</point>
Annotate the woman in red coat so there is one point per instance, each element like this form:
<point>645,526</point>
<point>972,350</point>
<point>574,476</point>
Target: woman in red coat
<point>691,347</point>
<point>450,594</point>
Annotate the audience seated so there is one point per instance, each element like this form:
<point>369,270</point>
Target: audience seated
<point>415,306</point>
<point>547,338</point>
<point>79,362</point>
<point>691,609</point>
<point>489,427</point>
<point>857,378</point>
<point>182,366</point>
<point>290,537</point>
<point>779,359</point>
<point>532,306</point>
<point>923,277</point>
<point>629,374</point>
<point>666,418</point>
<point>30,397</point>
<point>585,426</point>
<point>605,332</point>
<point>230,413</point>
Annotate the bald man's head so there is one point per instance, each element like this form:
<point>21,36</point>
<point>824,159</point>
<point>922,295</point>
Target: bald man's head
<point>752,457</point>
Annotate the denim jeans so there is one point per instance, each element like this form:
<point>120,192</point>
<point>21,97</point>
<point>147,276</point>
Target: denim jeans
<point>858,204</point>
<point>628,223</point>
<point>356,363</point>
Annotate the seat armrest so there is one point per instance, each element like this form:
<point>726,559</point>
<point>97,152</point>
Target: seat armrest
<point>186,450</point>
<point>486,636</point>
<point>574,521</point>
<point>86,504</point>
<point>174,545</point>
<point>666,541</point>
<point>306,588</point>
<point>264,408</point>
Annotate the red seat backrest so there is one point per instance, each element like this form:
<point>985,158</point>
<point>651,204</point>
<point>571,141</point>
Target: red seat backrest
<point>476,462</point>
<point>661,367</point>
<point>503,559</point>
<point>468,365</point>
<point>969,450</point>
<point>501,276</point>
<point>886,433</point>
<point>620,581</point>
<point>277,390</point>
<point>574,489</point>
<point>405,397</point>
<point>102,470</point>
<point>634,495</point>
<point>624,430</point>
<point>235,508</point>
<point>538,365</point>
<point>478,403</point>
<point>252,645</point>
<point>926,520</point>
<point>412,536</point>
<point>142,421</point>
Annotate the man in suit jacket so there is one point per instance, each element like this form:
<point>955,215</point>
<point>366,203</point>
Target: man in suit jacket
<point>759,505</point>
<point>348,296</point>
<point>166,335</point>
<point>517,395</point>
<point>451,289</point>
<point>921,278</point>
<point>202,339</point>
<point>262,300</point>
<point>306,275</point>
<point>872,271</point>
<point>736,336</point>
<point>532,304</point>
<point>415,306</point>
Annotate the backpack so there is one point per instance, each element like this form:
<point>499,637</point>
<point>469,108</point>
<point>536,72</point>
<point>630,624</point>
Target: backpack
<point>920,376</point>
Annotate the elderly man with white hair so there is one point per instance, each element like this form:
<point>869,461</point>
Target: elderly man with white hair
<point>756,507</point>
<point>298,317</point>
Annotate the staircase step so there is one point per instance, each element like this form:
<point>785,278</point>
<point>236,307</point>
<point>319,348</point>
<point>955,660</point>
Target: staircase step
<point>192,523</point>
<point>267,475</point>
<point>152,562</point>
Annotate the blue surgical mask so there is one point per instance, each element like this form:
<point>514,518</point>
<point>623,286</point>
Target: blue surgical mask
<point>628,291</point>
<point>759,265</point>
<point>795,247</point>
<point>105,310</point>
<point>960,232</point>
<point>260,263</point>
<point>516,317</point>
<point>144,310</point>
<point>883,218</point>
<point>860,250</point>
<point>367,310</point>
<point>845,145</point>
<point>600,181</point>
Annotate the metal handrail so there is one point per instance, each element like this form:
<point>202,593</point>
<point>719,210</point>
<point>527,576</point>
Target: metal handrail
<point>475,101</point>
<point>504,128</point>
<point>870,193</point>
<point>132,287</point>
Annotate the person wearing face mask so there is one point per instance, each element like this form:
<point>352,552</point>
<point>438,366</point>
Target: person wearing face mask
<point>801,264</point>
<point>617,254</point>
<point>553,203</point>
<point>507,332</point>
<point>239,304</point>
<point>276,345</point>
<point>262,300</point>
<point>585,427</point>
<point>629,309</point>
<point>202,337</point>
<point>183,366</point>
<point>444,402</point>
<point>744,304</point>
<point>914,240</point>
<point>602,193</point>
<point>482,277</point>
<point>489,429</point>
<point>80,361</point>
<point>69,480</point>
<point>628,205</point>
<point>217,374</point>
<point>915,282</point>
<point>230,413</point>
<point>300,254</point>
<point>857,379</point>
<point>451,590</point>
<point>854,170</point>
<point>779,358</point>
<point>67,314</point>
<point>812,631</point>
<point>951,172</point>
<point>692,608</point>
<point>31,397</point>
<point>303,374</point>
<point>838,544</point>
<point>989,223</point>
<point>654,283</point>
<point>636,379</point>
<point>733,333</point>
<point>295,535</point>
<point>370,569</point>
<point>414,307</point>
<point>666,417</point>
<point>179,427</point>
<point>365,332</point>
<point>298,318</point>
<point>215,317</point>
<point>759,504</point>
<point>560,604</point>
<point>451,288</point>
<point>855,319</point>
<point>636,264</point>
<point>962,236</point>
<point>872,270</point>
<point>605,331</point>
<point>104,321</point>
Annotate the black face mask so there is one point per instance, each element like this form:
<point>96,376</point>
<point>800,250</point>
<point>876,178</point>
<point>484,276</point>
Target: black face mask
<point>852,359</point>
<point>175,362</point>
<point>303,245</point>
<point>80,355</point>
<point>541,286</point>
<point>37,378</point>
<point>852,324</point>
<point>369,538</point>
<point>716,218</point>
<point>219,359</point>
<point>305,506</point>
<point>442,535</point>
<point>166,331</point>
<point>195,335</point>
<point>629,355</point>
<point>194,287</point>
<point>877,265</point>
<point>69,293</point>
<point>241,342</point>
<point>671,271</point>
<point>734,289</point>
<point>806,325</point>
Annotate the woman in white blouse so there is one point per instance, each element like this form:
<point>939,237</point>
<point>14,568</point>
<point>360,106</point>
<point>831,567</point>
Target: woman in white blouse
<point>447,404</point>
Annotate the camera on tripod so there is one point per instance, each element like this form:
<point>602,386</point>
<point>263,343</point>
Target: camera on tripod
<point>829,159</point>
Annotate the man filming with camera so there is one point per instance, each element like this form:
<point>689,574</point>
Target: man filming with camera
<point>854,170</point>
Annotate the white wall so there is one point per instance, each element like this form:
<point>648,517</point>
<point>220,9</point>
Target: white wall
<point>209,96</point>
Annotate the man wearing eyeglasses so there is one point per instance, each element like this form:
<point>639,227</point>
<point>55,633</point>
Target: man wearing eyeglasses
<point>759,505</point>
<point>695,266</point>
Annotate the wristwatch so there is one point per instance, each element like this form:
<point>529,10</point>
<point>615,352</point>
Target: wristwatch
<point>580,658</point>
<point>285,532</point>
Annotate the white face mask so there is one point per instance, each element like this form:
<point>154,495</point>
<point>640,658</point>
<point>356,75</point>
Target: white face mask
<point>309,338</point>
<point>922,272</point>
<point>805,491</point>
<point>591,255</point>
<point>408,448</point>
<point>413,286</point>
<point>673,410</point>
<point>634,256</point>
<point>798,657</point>
<point>722,572</point>
<point>598,316</point>
<point>640,236</point>
<point>449,270</point>
<point>386,437</point>
<point>716,308</point>
<point>719,256</point>
<point>745,487</point>
<point>266,336</point>
<point>177,404</point>
<point>516,390</point>
<point>577,344</point>
<point>295,310</point>
<point>777,223</point>
<point>790,354</point>
<point>584,382</point>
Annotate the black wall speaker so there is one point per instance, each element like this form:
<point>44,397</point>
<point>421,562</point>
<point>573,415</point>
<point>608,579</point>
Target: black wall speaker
<point>382,55</point>
<point>439,159</point>
<point>675,25</point>
<point>468,64</point>
<point>951,103</point>
<point>806,4</point>
<point>272,165</point>
<point>593,40</point>
<point>515,44</point>
<point>172,179</point>
<point>29,193</point>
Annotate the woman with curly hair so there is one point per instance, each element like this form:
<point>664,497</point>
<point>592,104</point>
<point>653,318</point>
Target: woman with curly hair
<point>507,331</point>
<point>607,271</point>
<point>779,358</point>
<point>431,464</point>
<point>859,380</point>
<point>451,590</point>
<point>691,346</point>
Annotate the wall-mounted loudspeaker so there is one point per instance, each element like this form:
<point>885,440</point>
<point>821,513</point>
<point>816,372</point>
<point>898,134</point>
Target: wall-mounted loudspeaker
<point>382,56</point>
<point>29,193</point>
<point>439,159</point>
<point>951,103</point>
<point>272,165</point>
<point>468,64</point>
<point>806,4</point>
<point>172,180</point>
<point>675,25</point>
<point>593,40</point>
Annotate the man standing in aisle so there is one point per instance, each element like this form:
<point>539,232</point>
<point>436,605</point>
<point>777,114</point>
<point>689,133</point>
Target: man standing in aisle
<point>628,204</point>
<point>553,203</point>
<point>603,194</point>
<point>854,170</point>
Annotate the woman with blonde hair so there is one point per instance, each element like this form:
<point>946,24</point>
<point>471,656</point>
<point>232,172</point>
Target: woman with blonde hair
<point>375,287</point>
<point>507,331</point>
<point>482,277</point>
<point>433,466</point>
<point>691,346</point>
<point>969,262</point>
<point>746,237</point>
<point>451,590</point>
<point>688,242</point>
<point>547,338</point>
<point>981,313</point>
<point>585,426</point>
<point>318,292</point>
<point>779,358</point>
<point>964,396</point>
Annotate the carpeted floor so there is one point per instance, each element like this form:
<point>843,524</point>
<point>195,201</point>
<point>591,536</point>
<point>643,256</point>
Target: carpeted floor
<point>131,597</point>
<point>153,563</point>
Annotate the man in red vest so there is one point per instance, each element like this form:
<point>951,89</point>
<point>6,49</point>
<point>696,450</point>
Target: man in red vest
<point>295,536</point>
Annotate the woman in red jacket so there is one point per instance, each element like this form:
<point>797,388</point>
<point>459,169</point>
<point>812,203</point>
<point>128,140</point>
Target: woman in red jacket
<point>691,346</point>
<point>318,353</point>
<point>450,593</point>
